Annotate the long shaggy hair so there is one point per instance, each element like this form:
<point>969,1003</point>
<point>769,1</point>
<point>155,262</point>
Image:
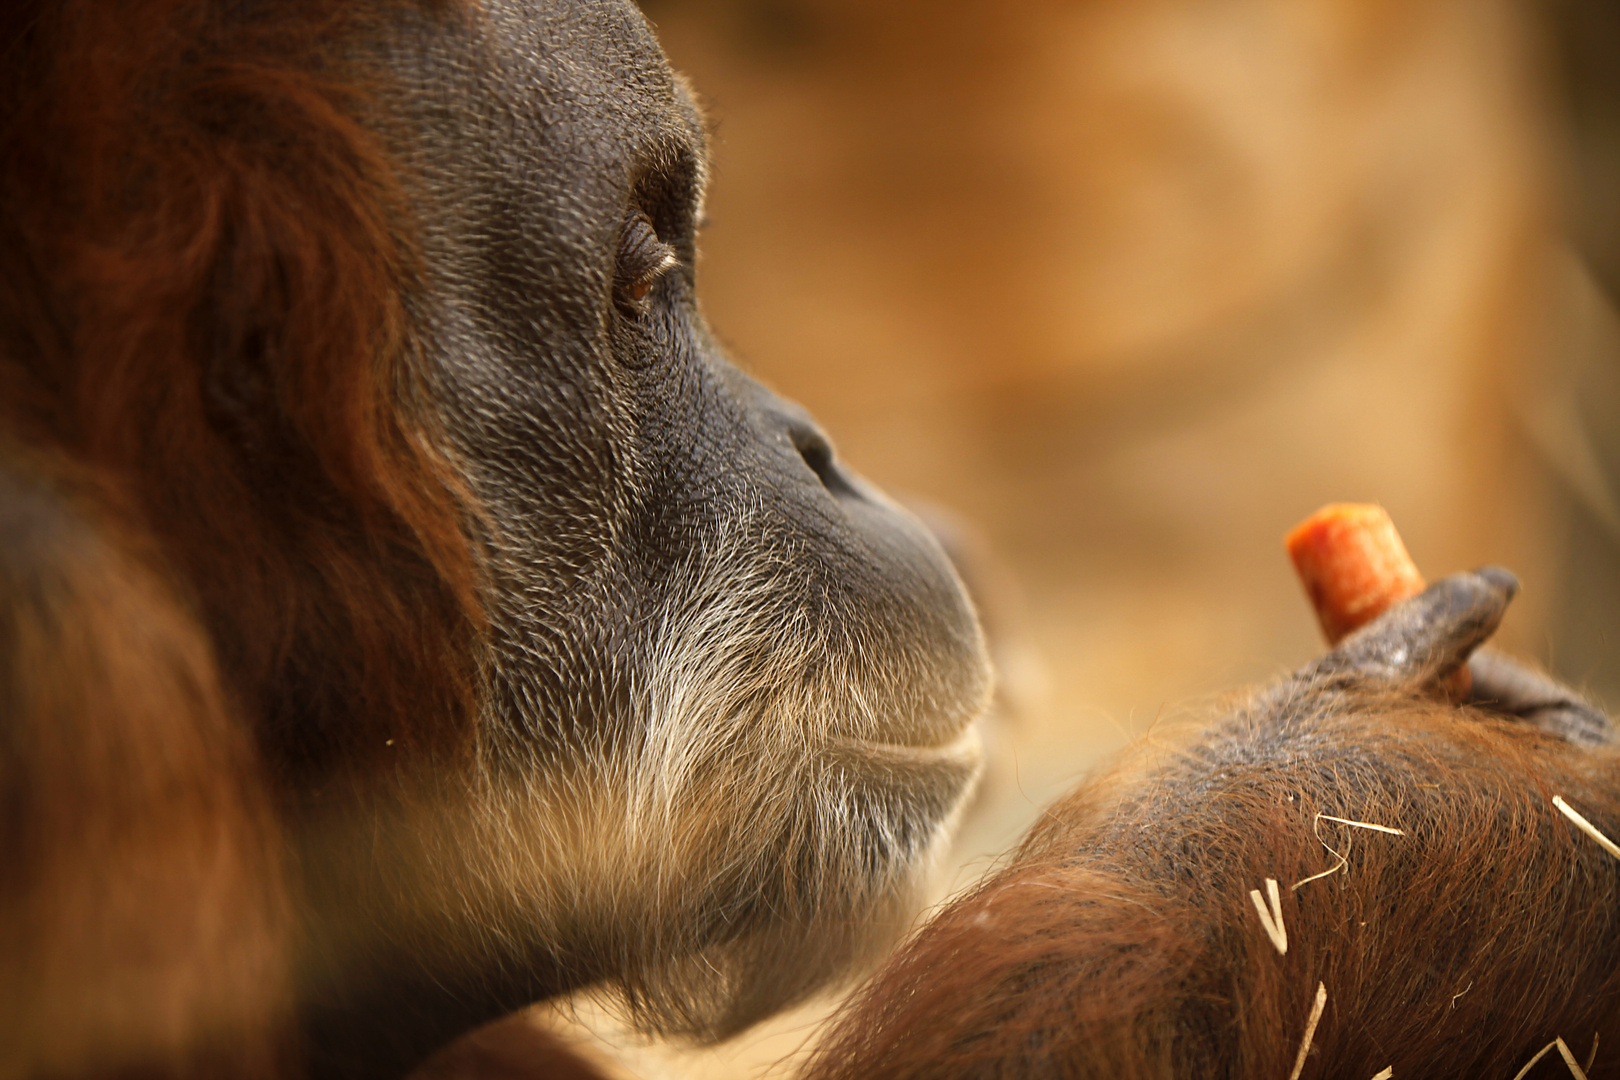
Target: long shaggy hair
<point>205,283</point>
<point>202,290</point>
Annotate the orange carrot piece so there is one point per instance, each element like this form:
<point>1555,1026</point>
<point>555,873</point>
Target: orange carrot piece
<point>1353,565</point>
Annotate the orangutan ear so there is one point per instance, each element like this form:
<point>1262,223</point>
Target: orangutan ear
<point>236,387</point>
<point>240,348</point>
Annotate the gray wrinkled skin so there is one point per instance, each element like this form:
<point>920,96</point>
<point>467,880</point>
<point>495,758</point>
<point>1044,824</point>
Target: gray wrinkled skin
<point>731,686</point>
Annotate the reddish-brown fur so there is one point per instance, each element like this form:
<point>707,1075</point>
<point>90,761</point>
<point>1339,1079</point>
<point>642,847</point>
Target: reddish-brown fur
<point>196,555</point>
<point>178,191</point>
<point>1121,941</point>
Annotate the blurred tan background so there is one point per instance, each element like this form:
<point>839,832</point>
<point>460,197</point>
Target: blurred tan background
<point>1131,286</point>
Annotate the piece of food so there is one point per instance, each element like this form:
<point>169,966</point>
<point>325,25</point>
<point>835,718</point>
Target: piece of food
<point>1353,565</point>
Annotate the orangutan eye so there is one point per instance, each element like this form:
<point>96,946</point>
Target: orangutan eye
<point>643,259</point>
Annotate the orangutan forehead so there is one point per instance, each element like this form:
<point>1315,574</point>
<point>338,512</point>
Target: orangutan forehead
<point>586,79</point>
<point>603,52</point>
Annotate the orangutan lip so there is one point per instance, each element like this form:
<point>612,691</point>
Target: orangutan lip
<point>966,748</point>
